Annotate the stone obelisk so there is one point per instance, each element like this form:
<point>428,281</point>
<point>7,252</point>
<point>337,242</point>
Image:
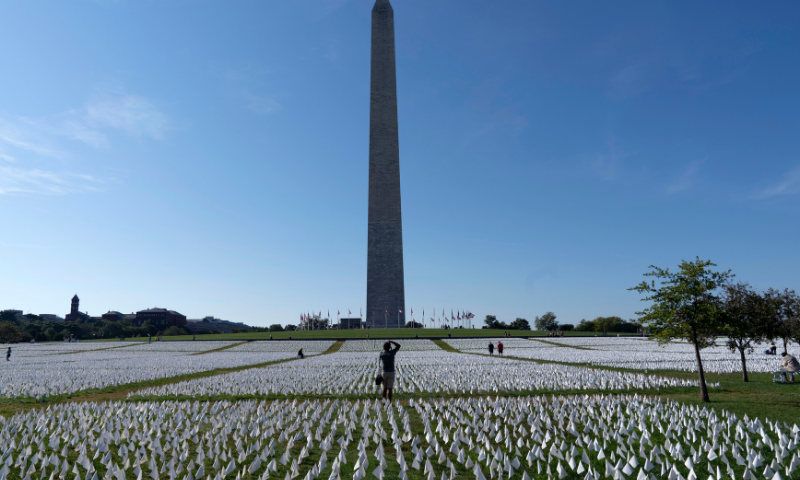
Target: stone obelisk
<point>385,283</point>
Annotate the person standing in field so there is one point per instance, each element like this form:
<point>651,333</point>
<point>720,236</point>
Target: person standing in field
<point>491,349</point>
<point>8,355</point>
<point>500,348</point>
<point>387,360</point>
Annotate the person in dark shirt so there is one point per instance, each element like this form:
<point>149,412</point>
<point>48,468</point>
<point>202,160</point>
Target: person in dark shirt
<point>491,349</point>
<point>387,361</point>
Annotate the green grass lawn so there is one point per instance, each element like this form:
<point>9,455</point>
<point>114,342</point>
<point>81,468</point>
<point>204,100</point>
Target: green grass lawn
<point>374,333</point>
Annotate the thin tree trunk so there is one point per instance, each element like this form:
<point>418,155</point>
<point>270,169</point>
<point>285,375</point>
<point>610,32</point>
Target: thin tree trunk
<point>744,365</point>
<point>703,388</point>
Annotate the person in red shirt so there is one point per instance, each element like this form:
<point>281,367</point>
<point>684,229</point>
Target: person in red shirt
<point>500,348</point>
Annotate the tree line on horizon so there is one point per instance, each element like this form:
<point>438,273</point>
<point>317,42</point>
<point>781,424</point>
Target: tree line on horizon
<point>34,327</point>
<point>548,323</point>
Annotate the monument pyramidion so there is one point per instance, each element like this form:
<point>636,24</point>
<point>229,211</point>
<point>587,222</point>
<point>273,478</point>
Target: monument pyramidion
<point>385,282</point>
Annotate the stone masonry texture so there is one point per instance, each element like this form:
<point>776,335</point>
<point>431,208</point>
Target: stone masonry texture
<point>385,282</point>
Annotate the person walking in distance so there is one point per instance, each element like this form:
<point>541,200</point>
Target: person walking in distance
<point>491,349</point>
<point>387,359</point>
<point>500,348</point>
<point>8,355</point>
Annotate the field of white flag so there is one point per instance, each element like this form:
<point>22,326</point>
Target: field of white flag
<point>353,373</point>
<point>460,414</point>
<point>42,370</point>
<point>630,353</point>
<point>576,437</point>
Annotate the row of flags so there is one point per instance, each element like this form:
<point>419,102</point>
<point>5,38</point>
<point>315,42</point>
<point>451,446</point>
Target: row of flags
<point>307,318</point>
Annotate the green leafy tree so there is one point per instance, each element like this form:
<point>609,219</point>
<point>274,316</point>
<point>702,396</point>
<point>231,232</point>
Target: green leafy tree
<point>175,331</point>
<point>492,323</point>
<point>10,333</point>
<point>520,324</point>
<point>566,327</point>
<point>546,322</point>
<point>685,306</point>
<point>784,321</point>
<point>585,326</point>
<point>276,327</point>
<point>606,324</point>
<point>745,319</point>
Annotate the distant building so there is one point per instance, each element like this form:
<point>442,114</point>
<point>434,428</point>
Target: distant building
<point>17,314</point>
<point>113,316</point>
<point>74,314</point>
<point>159,316</point>
<point>50,317</point>
<point>350,323</point>
<point>209,324</point>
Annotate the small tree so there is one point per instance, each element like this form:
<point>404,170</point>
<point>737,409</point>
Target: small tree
<point>685,306</point>
<point>546,322</point>
<point>276,327</point>
<point>745,319</point>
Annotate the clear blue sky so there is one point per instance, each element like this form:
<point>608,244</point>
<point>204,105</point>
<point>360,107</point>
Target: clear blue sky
<point>211,157</point>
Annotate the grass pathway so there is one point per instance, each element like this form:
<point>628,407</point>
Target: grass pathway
<point>221,348</point>
<point>556,344</point>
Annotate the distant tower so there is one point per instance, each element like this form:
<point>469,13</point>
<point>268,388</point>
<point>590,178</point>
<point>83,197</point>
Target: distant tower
<point>385,282</point>
<point>75,302</point>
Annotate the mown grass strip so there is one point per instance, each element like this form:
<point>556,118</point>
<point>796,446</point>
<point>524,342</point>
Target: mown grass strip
<point>445,346</point>
<point>93,350</point>
<point>334,348</point>
<point>556,344</point>
<point>221,348</point>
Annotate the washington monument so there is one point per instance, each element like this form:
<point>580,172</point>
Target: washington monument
<point>385,283</point>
